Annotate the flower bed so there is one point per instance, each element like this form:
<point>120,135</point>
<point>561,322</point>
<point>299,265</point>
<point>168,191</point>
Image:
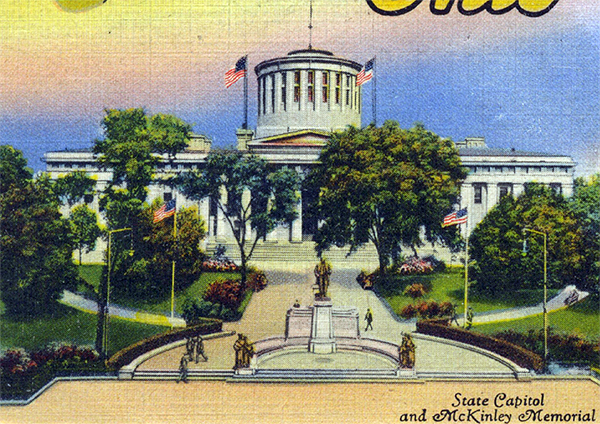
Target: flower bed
<point>219,265</point>
<point>517,354</point>
<point>23,373</point>
<point>428,310</point>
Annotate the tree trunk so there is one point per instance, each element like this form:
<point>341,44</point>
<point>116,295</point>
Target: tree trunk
<point>80,249</point>
<point>243,272</point>
<point>101,299</point>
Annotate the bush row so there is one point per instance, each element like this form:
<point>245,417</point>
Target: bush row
<point>562,347</point>
<point>23,373</point>
<point>517,354</point>
<point>128,354</point>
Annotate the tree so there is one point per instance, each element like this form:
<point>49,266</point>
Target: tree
<point>145,269</point>
<point>499,264</point>
<point>253,197</point>
<point>384,185</point>
<point>36,246</point>
<point>13,168</point>
<point>71,188</point>
<point>130,147</point>
<point>86,231</point>
<point>585,204</point>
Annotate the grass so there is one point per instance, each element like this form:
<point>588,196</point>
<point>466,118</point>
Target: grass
<point>448,286</point>
<point>92,274</point>
<point>582,319</point>
<point>70,326</point>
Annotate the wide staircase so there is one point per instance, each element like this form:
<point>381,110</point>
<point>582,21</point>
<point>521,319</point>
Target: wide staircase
<point>304,252</point>
<point>283,251</point>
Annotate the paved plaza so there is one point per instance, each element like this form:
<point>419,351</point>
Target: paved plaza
<point>265,317</point>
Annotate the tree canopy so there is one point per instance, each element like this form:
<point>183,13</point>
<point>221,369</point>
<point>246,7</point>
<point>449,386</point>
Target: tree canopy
<point>72,188</point>
<point>84,223</point>
<point>497,243</point>
<point>36,246</point>
<point>253,197</point>
<point>384,185</point>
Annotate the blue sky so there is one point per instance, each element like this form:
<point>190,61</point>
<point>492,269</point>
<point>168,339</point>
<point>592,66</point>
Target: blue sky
<point>532,84</point>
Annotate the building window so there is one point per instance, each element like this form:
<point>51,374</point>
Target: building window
<point>296,86</point>
<point>167,197</point>
<point>504,190</point>
<point>347,90</point>
<point>258,97</point>
<point>272,88</point>
<point>311,86</point>
<point>556,187</point>
<point>284,90</point>
<point>264,95</point>
<point>338,88</point>
<point>325,87</point>
<point>478,194</point>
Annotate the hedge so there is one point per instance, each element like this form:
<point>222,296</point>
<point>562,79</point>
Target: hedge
<point>128,354</point>
<point>517,354</point>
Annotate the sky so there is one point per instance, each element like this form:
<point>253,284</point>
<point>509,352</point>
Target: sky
<point>522,82</point>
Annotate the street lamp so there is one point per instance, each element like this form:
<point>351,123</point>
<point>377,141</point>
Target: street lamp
<point>525,250</point>
<point>106,314</point>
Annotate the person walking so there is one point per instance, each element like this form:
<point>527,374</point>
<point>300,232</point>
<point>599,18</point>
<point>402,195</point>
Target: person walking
<point>369,319</point>
<point>470,316</point>
<point>183,368</point>
<point>199,343</point>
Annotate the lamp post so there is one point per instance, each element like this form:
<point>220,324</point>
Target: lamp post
<point>545,283</point>
<point>106,315</point>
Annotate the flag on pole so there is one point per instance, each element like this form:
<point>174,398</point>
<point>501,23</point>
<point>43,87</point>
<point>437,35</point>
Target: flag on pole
<point>366,73</point>
<point>455,218</point>
<point>237,72</point>
<point>165,211</point>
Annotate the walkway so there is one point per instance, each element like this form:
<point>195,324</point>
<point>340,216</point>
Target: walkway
<point>91,306</point>
<point>265,317</point>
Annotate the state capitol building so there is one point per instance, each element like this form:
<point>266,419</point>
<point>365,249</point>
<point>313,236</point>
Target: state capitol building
<point>302,98</point>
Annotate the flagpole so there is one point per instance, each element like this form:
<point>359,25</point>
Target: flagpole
<point>466,268</point>
<point>245,124</point>
<point>374,92</point>
<point>173,269</point>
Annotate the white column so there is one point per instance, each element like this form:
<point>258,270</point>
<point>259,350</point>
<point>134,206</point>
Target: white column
<point>297,223</point>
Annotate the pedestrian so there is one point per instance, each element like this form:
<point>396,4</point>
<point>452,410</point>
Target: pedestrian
<point>454,317</point>
<point>183,368</point>
<point>296,304</point>
<point>470,316</point>
<point>369,319</point>
<point>189,347</point>
<point>199,342</point>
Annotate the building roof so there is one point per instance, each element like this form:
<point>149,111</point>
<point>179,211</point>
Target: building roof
<point>487,151</point>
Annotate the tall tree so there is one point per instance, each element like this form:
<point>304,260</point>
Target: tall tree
<point>585,204</point>
<point>86,231</point>
<point>499,264</point>
<point>36,246</point>
<point>72,188</point>
<point>253,197</point>
<point>384,185</point>
<point>13,168</point>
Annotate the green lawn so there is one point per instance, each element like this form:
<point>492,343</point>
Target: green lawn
<point>92,273</point>
<point>449,286</point>
<point>70,326</point>
<point>582,319</point>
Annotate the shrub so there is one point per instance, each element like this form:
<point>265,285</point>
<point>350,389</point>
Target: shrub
<point>409,311</point>
<point>427,310</point>
<point>125,356</point>
<point>415,290</point>
<point>517,354</point>
<point>257,281</point>
<point>562,347</point>
<point>226,292</point>
<point>366,281</point>
<point>22,373</point>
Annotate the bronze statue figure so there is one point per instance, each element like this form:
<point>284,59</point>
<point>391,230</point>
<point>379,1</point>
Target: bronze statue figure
<point>406,352</point>
<point>322,273</point>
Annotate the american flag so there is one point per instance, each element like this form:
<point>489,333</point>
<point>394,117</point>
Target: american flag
<point>165,211</point>
<point>366,73</point>
<point>237,72</point>
<point>455,218</point>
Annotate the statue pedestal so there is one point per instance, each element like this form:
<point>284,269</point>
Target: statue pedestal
<point>322,337</point>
